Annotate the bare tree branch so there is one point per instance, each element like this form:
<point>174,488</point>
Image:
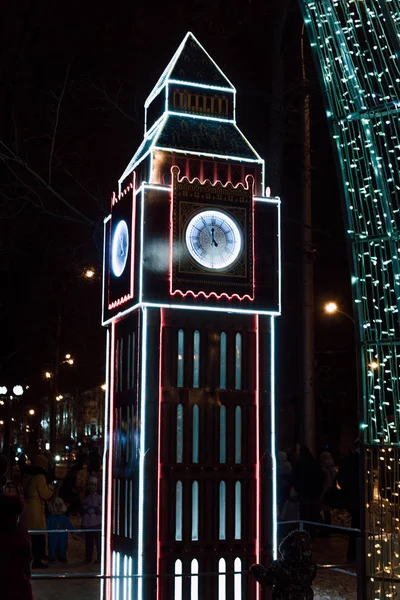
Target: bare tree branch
<point>10,156</point>
<point>113,102</point>
<point>60,99</point>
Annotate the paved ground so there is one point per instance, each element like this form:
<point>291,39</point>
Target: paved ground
<point>328,585</point>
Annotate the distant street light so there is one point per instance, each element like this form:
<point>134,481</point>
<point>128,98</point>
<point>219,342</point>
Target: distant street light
<point>89,273</point>
<point>32,412</point>
<point>104,387</point>
<point>18,390</point>
<point>331,308</point>
<point>3,390</point>
<point>373,365</point>
<point>48,375</point>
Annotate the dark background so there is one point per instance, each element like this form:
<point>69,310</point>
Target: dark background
<point>73,80</point>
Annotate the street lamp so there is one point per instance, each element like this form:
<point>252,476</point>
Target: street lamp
<point>89,273</point>
<point>32,412</point>
<point>331,308</point>
<point>48,374</point>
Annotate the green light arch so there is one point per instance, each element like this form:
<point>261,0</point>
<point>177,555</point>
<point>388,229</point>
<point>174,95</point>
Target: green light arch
<point>356,47</point>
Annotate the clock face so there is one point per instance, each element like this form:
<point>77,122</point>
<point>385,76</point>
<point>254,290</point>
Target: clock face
<point>213,239</point>
<point>119,248</point>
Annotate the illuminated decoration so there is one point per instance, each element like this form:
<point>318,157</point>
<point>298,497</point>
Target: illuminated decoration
<point>213,239</point>
<point>190,349</point>
<point>3,390</point>
<point>120,247</point>
<point>356,47</point>
<point>18,390</point>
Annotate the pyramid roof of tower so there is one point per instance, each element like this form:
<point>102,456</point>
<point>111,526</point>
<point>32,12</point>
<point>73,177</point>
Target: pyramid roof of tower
<point>192,63</point>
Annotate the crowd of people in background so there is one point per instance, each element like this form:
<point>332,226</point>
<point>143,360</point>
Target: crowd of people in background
<point>32,502</point>
<point>309,489</point>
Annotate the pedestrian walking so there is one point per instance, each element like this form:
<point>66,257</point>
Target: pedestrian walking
<point>36,494</point>
<point>92,520</point>
<point>292,574</point>
<point>58,542</point>
<point>15,551</point>
<point>329,481</point>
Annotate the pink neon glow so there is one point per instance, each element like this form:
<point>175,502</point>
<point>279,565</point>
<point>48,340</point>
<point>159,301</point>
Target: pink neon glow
<point>126,297</point>
<point>159,455</point>
<point>217,296</point>
<point>258,470</point>
<point>249,184</point>
<point>108,548</point>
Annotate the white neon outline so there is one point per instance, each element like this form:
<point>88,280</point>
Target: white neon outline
<point>235,230</point>
<point>203,86</point>
<point>165,76</point>
<point>273,444</point>
<point>174,113</point>
<point>120,228</point>
<point>142,452</point>
<point>141,246</point>
<point>106,219</point>
<point>105,469</point>
<point>227,310</point>
<point>210,154</point>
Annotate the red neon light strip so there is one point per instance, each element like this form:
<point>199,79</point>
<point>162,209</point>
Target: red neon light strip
<point>258,470</point>
<point>159,456</point>
<point>201,293</point>
<point>217,296</point>
<point>114,200</point>
<point>110,465</point>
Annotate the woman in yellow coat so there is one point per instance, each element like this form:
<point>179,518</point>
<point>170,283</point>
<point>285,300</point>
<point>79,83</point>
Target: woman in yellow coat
<point>36,493</point>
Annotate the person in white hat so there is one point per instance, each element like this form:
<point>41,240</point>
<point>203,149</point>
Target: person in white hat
<point>92,519</point>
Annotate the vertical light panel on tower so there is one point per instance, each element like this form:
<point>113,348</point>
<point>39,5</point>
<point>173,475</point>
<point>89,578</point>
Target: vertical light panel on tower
<point>356,47</point>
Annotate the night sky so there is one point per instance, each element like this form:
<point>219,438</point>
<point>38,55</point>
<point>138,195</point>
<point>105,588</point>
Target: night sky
<point>60,160</point>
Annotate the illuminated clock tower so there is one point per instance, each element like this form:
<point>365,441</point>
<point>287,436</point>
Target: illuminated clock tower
<point>190,294</point>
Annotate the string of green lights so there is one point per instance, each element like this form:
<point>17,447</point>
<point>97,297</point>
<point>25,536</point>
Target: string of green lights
<point>356,45</point>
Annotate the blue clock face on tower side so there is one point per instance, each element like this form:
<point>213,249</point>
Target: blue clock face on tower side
<point>119,248</point>
<point>213,239</point>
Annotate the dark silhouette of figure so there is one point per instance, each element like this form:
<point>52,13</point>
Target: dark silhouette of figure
<point>307,481</point>
<point>329,481</point>
<point>69,492</point>
<point>348,478</point>
<point>94,461</point>
<point>36,494</point>
<point>15,551</point>
<point>292,574</point>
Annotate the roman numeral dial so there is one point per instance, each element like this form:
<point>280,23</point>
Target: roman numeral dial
<point>214,239</point>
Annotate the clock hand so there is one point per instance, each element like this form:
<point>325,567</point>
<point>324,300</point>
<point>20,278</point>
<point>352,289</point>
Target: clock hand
<point>213,239</point>
<point>207,229</point>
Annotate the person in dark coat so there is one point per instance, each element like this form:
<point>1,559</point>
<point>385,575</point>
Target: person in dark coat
<point>308,481</point>
<point>348,478</point>
<point>292,574</point>
<point>15,551</point>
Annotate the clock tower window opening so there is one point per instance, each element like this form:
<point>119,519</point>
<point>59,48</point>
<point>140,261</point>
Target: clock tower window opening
<point>196,103</point>
<point>238,510</point>
<point>196,359</point>
<point>179,434</point>
<point>178,511</point>
<point>194,580</point>
<point>195,511</point>
<point>222,362</point>
<point>178,584</point>
<point>238,362</point>
<point>181,356</point>
<point>222,510</point>
<point>222,434</point>
<point>221,579</point>
<point>237,579</point>
<point>238,435</point>
<point>195,447</point>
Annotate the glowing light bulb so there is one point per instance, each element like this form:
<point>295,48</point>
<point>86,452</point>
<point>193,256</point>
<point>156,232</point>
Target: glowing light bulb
<point>330,307</point>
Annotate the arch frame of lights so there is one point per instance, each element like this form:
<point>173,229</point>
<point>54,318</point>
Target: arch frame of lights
<point>356,48</point>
